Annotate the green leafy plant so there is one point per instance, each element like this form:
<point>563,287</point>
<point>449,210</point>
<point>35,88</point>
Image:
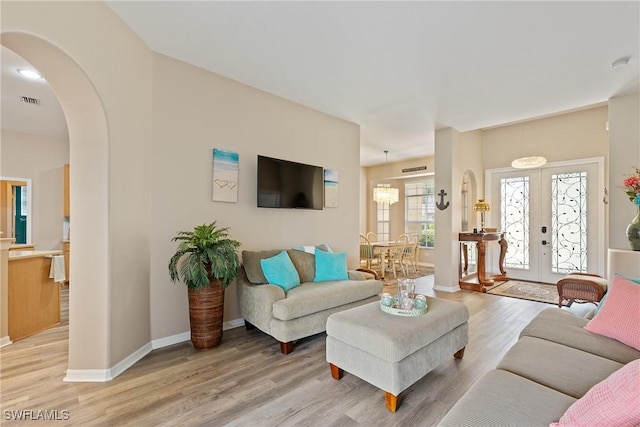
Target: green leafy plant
<point>204,253</point>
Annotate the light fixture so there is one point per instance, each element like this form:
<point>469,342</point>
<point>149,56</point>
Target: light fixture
<point>482,207</point>
<point>529,162</point>
<point>29,74</point>
<point>620,62</point>
<point>385,194</point>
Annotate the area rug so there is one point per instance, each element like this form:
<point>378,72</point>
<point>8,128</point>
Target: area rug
<point>390,283</point>
<point>527,290</point>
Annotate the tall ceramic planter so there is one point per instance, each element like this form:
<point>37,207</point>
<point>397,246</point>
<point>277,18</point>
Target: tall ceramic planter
<point>206,311</point>
<point>633,232</point>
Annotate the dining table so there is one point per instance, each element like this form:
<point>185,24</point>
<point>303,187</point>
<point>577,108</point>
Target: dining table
<point>383,247</point>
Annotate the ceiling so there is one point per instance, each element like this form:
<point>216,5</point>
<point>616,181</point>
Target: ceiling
<point>401,70</point>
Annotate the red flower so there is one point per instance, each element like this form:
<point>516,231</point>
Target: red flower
<point>632,186</point>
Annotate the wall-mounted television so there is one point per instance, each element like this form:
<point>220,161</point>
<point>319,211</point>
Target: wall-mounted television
<point>289,185</point>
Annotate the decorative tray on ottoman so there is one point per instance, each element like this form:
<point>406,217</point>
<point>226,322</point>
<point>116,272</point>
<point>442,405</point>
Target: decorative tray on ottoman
<point>396,311</point>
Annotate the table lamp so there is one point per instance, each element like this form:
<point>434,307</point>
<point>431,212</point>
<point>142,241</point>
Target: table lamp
<point>482,207</point>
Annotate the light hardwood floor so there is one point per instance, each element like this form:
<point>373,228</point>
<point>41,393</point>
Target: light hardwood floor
<point>248,382</point>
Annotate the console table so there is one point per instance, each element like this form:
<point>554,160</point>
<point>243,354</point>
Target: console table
<point>482,279</point>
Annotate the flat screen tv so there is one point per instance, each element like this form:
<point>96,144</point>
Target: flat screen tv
<point>289,185</point>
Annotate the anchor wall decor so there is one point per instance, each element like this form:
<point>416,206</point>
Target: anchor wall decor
<point>441,204</point>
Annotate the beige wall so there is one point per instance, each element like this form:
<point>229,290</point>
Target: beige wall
<point>42,160</point>
<point>228,115</point>
<point>100,72</point>
<point>140,152</point>
<point>576,135</point>
<point>391,173</point>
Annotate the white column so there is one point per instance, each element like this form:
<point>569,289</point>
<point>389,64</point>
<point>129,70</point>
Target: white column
<point>624,262</point>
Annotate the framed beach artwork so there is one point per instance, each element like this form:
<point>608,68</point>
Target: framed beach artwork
<point>225,176</point>
<point>330,188</point>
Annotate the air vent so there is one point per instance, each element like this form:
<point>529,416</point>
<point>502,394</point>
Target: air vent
<point>28,100</point>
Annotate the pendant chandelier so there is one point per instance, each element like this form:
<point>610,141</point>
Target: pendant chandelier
<point>385,194</point>
<point>529,145</point>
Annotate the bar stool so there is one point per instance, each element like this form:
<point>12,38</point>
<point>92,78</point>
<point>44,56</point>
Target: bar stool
<point>581,288</point>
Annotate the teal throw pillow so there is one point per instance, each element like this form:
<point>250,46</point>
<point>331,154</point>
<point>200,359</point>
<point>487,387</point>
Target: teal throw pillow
<point>631,279</point>
<point>279,270</point>
<point>331,266</point>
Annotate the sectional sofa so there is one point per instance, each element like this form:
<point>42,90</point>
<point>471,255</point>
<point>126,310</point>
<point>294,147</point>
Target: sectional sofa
<point>558,371</point>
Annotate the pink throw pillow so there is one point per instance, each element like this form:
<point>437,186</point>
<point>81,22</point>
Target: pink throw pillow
<point>614,401</point>
<point>619,316</point>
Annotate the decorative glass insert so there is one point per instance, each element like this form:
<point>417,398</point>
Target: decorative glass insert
<point>514,219</point>
<point>569,222</point>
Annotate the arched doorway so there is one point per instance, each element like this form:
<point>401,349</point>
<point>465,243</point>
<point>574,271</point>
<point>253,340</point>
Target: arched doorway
<point>89,154</point>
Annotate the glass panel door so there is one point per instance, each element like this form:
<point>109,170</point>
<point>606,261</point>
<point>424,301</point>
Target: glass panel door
<point>551,219</point>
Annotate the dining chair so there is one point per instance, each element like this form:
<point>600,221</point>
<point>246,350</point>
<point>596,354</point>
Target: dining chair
<point>410,254</point>
<point>373,237</point>
<point>367,255</point>
<point>395,254</point>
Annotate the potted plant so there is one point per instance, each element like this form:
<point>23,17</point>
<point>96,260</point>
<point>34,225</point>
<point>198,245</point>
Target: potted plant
<point>207,262</point>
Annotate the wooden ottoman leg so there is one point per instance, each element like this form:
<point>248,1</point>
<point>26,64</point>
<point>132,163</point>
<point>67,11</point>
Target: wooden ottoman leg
<point>390,401</point>
<point>336,373</point>
<point>458,354</point>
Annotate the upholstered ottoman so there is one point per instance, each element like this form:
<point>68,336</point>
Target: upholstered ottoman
<point>393,352</point>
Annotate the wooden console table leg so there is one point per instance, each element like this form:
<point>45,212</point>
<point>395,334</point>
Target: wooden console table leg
<point>336,372</point>
<point>504,245</point>
<point>465,256</point>
<point>390,401</point>
<point>482,274</point>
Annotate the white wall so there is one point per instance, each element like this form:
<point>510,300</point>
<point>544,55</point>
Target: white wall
<point>624,153</point>
<point>42,160</point>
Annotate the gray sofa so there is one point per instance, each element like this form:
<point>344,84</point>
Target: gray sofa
<point>303,310</point>
<point>554,363</point>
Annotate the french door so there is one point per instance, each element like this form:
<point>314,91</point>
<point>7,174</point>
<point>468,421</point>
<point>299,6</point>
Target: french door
<point>553,219</point>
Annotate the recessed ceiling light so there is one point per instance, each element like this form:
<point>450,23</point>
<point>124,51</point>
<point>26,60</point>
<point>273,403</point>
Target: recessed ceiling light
<point>30,74</point>
<point>620,62</point>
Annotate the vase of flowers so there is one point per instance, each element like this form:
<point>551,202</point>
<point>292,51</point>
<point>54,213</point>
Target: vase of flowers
<point>632,188</point>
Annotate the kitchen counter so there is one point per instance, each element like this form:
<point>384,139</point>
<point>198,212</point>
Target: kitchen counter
<point>33,298</point>
<point>13,255</point>
<point>22,247</point>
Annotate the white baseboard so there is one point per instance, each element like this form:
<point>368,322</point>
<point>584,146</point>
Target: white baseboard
<point>236,323</point>
<point>104,375</point>
<point>5,341</point>
<point>449,289</point>
<point>130,360</point>
<point>186,336</point>
<point>87,376</point>
<point>173,339</point>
